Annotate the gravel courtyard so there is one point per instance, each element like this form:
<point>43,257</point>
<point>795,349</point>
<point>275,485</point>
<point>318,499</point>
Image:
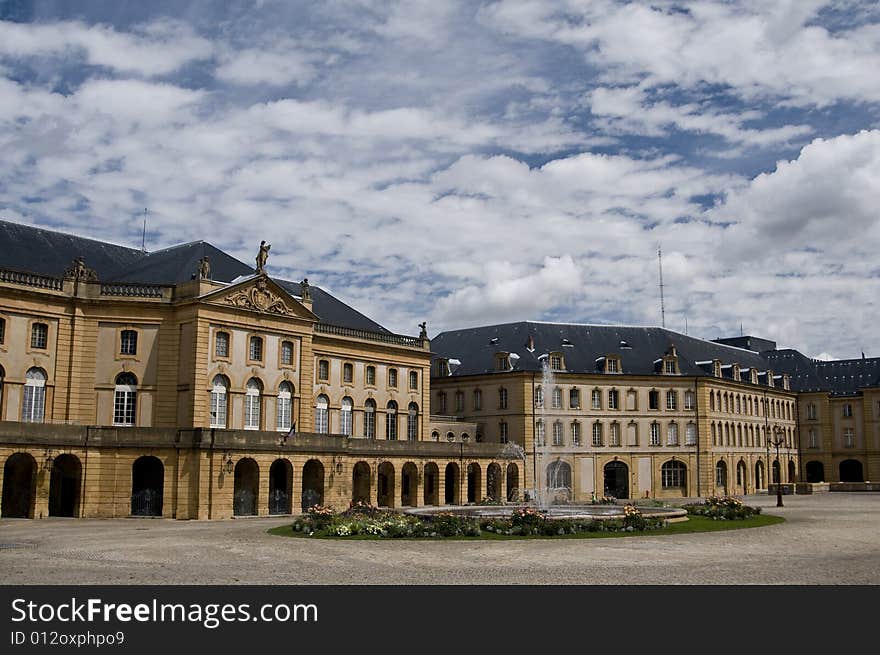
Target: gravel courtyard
<point>831,538</point>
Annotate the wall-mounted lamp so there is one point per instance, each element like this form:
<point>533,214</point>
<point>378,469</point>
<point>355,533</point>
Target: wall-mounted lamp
<point>228,465</point>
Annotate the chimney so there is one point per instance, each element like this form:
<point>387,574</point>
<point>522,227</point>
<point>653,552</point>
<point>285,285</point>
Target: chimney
<point>531,344</point>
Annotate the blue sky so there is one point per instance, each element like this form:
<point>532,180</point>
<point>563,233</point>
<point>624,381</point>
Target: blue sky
<point>466,163</point>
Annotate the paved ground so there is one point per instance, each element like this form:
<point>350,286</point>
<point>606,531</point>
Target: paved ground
<point>831,538</point>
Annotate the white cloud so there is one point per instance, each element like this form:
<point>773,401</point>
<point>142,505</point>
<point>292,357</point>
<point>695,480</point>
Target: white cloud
<point>287,65</point>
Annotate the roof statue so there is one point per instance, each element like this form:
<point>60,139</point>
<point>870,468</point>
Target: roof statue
<point>424,333</point>
<point>79,271</point>
<point>304,290</point>
<point>262,257</point>
<point>204,268</point>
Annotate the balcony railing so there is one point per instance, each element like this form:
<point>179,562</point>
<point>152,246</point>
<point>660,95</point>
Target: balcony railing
<point>132,290</point>
<point>31,280</point>
<point>384,337</point>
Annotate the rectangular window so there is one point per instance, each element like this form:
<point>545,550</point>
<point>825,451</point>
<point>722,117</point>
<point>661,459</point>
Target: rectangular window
<point>459,401</point>
<point>218,409</point>
<point>502,432</point>
<point>252,412</point>
<point>347,373</point>
<point>612,366</point>
<point>539,436</point>
<point>615,434</point>
<point>391,425</point>
<point>128,342</point>
<point>323,370</point>
<point>671,400</point>
<point>392,377</point>
<point>539,397</point>
<point>124,407</point>
<point>322,420</point>
<point>371,375</point>
<point>557,398</point>
<point>345,422</point>
<point>255,352</point>
<point>574,399</point>
<point>282,419</point>
<point>2,330</point>
<point>502,398</point>
<point>672,435</point>
<point>557,434</point>
<point>221,344</point>
<point>690,435</point>
<point>655,434</point>
<point>441,402</point>
<point>653,399</point>
<point>669,367</point>
<point>34,403</point>
<point>556,362</point>
<point>596,399</point>
<point>286,353</point>
<point>39,336</point>
<point>811,412</point>
<point>613,400</point>
<point>597,434</point>
<point>814,442</point>
<point>413,380</point>
<point>370,423</point>
<point>631,401</point>
<point>478,399</point>
<point>848,438</point>
<point>847,411</point>
<point>689,400</point>
<point>575,434</point>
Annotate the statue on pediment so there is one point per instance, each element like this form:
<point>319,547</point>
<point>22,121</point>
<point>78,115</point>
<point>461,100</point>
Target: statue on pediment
<point>78,271</point>
<point>263,257</point>
<point>305,292</point>
<point>204,268</point>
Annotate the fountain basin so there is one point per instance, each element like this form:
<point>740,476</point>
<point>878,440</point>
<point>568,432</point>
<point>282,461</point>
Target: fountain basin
<point>592,512</point>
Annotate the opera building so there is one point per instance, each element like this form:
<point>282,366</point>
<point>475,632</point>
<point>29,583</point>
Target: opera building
<point>187,384</point>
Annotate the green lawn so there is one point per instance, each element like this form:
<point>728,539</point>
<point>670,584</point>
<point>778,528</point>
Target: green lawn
<point>693,524</point>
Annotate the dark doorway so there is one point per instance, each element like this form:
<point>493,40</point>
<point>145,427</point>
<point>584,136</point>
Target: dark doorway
<point>792,471</point>
<point>474,475</point>
<point>64,485</point>
<point>385,480</point>
<point>246,486</point>
<point>851,471</point>
<point>776,472</point>
<point>450,497</point>
<point>512,483</point>
<point>147,486</point>
<point>432,484</point>
<point>616,480</point>
<point>312,484</point>
<point>19,486</point>
<point>409,478</point>
<point>493,482</point>
<point>815,472</point>
<point>759,475</point>
<point>360,483</point>
<point>280,487</point>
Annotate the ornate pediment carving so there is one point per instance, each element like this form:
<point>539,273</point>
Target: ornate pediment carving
<point>259,298</point>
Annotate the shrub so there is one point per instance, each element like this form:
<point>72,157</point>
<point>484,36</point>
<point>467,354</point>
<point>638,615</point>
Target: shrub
<point>722,508</point>
<point>451,525</point>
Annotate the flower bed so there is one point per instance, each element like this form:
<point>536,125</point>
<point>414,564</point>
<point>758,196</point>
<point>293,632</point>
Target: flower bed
<point>361,519</point>
<point>723,508</point>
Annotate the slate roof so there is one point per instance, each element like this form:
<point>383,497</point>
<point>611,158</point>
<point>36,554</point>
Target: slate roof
<point>32,249</point>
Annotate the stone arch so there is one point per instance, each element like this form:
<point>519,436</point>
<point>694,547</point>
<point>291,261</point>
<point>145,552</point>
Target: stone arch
<point>453,481</point>
<point>312,484</point>
<point>759,475</point>
<point>19,486</point>
<point>792,471</point>
<point>474,482</point>
<point>281,487</point>
<point>431,484</point>
<point>721,475</point>
<point>742,478</point>
<point>815,471</point>
<point>493,482</point>
<point>385,483</point>
<point>64,486</point>
<point>851,471</point>
<point>558,480</point>
<point>147,486</point>
<point>616,479</point>
<point>360,483</point>
<point>246,487</point>
<point>512,483</point>
<point>409,485</point>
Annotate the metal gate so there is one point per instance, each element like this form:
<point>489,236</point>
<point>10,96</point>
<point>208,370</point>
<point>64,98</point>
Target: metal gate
<point>147,502</point>
<point>279,502</point>
<point>244,503</point>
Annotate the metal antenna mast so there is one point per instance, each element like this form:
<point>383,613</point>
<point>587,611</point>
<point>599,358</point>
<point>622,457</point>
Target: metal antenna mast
<point>662,303</point>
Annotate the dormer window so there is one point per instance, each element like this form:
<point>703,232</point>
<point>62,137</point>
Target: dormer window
<point>612,365</point>
<point>736,372</point>
<point>669,367</point>
<point>754,375</point>
<point>556,362</point>
<point>502,362</point>
<point>716,368</point>
<point>443,368</point>
<point>770,381</point>
<point>786,382</point>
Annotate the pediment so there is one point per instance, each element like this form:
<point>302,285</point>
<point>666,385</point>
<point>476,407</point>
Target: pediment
<point>260,294</point>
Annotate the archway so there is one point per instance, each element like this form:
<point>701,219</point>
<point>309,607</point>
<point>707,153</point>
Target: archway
<point>851,471</point>
<point>450,496</point>
<point>64,486</point>
<point>474,482</point>
<point>246,487</point>
<point>432,484</point>
<point>19,486</point>
<point>673,476</point>
<point>776,472</point>
<point>792,471</point>
<point>493,482</point>
<point>312,484</point>
<point>385,480</point>
<point>280,487</point>
<point>742,482</point>
<point>558,482</point>
<point>815,471</point>
<point>409,478</point>
<point>360,483</point>
<point>721,476</point>
<point>147,486</point>
<point>616,478</point>
<point>759,475</point>
<point>512,483</point>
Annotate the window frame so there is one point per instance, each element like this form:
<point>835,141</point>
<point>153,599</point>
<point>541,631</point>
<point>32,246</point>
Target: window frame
<point>33,324</point>
<point>281,362</point>
<point>228,356</point>
<point>250,349</point>
<point>121,344</point>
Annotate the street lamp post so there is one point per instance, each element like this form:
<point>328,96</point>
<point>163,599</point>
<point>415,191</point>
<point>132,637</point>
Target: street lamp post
<point>778,441</point>
<point>464,439</point>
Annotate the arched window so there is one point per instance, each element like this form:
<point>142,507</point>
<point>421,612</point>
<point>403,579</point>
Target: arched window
<point>219,397</point>
<point>284,413</point>
<point>345,423</point>
<point>370,419</point>
<point>252,404</point>
<point>557,434</point>
<point>673,475</point>
<point>412,423</point>
<point>125,399</point>
<point>435,436</point>
<point>34,402</point>
<point>721,474</point>
<point>322,415</point>
<point>391,421</point>
<point>128,342</point>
